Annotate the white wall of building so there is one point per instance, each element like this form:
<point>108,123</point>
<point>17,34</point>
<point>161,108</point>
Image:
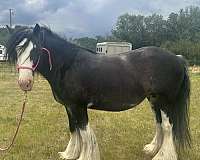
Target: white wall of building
<point>113,47</point>
<point>3,53</point>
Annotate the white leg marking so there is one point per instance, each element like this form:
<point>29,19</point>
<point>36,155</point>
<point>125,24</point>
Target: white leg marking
<point>23,58</point>
<point>73,149</point>
<point>90,149</point>
<point>156,143</point>
<point>167,150</point>
<point>82,146</point>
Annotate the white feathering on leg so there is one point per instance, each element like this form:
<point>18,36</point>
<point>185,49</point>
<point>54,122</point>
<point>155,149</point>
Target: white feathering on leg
<point>90,149</point>
<point>156,143</point>
<point>74,147</point>
<point>167,150</point>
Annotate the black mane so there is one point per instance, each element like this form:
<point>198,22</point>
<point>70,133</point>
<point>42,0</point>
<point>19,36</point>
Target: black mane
<point>41,41</point>
<point>16,37</point>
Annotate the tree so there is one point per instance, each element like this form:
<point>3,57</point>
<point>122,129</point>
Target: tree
<point>184,25</point>
<point>172,27</point>
<point>4,35</point>
<point>130,28</point>
<point>155,29</point>
<point>140,30</point>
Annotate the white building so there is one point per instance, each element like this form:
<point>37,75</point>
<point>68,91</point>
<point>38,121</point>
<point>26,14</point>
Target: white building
<point>3,56</point>
<point>113,47</point>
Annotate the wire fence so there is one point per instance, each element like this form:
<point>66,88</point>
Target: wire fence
<point>7,70</point>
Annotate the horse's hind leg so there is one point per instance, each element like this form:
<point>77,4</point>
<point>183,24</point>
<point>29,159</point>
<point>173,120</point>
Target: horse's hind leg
<point>154,146</point>
<point>82,145</point>
<point>90,150</point>
<point>167,150</point>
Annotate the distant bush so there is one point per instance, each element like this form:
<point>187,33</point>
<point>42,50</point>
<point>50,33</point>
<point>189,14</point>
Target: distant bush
<point>3,36</point>
<point>190,50</point>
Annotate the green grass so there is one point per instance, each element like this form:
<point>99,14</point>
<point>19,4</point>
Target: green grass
<point>44,130</point>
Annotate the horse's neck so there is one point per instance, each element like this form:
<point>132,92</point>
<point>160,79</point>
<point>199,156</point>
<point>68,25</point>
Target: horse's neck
<point>62,55</point>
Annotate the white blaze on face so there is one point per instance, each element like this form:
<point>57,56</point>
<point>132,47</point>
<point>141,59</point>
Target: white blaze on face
<point>23,60</point>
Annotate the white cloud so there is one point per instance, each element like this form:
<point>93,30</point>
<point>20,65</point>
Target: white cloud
<point>35,5</point>
<point>65,20</point>
<point>94,6</point>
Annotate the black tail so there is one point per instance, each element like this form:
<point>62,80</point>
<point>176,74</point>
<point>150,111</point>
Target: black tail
<point>180,113</point>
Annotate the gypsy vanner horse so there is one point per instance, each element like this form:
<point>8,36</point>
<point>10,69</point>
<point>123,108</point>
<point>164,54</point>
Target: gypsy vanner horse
<point>80,79</point>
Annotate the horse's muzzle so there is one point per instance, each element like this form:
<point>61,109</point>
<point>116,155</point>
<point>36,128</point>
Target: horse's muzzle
<point>25,85</point>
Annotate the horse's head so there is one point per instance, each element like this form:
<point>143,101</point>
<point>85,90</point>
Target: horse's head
<point>23,48</point>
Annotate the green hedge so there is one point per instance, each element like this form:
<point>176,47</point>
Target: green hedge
<point>190,50</point>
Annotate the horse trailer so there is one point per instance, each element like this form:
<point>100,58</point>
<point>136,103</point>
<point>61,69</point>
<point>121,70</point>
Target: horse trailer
<point>113,47</point>
<point>3,56</point>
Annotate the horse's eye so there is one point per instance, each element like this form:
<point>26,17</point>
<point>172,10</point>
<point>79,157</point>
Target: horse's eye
<point>18,48</point>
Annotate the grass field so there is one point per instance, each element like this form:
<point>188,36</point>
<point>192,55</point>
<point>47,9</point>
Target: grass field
<point>44,130</point>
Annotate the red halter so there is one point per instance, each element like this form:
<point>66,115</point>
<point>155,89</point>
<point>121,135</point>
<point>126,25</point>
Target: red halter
<point>33,68</point>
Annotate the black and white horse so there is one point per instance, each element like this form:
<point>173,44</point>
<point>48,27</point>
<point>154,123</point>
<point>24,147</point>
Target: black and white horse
<point>81,80</point>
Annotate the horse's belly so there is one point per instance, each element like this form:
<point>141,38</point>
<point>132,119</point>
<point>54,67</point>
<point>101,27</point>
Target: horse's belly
<point>115,105</point>
<point>114,108</point>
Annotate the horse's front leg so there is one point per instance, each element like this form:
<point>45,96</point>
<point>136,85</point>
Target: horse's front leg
<point>73,149</point>
<point>82,145</point>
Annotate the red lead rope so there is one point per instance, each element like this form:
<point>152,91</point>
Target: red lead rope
<point>49,54</point>
<point>17,130</point>
<point>25,99</point>
<point>33,68</point>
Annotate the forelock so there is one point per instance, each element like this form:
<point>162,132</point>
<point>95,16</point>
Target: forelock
<point>18,36</point>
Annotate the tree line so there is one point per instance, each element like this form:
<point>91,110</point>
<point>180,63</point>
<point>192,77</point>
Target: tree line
<point>3,35</point>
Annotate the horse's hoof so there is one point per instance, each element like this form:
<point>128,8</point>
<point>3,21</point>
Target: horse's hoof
<point>62,155</point>
<point>163,156</point>
<point>150,149</point>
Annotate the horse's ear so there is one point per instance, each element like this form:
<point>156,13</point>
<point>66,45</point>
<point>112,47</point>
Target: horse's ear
<point>36,29</point>
<point>10,30</point>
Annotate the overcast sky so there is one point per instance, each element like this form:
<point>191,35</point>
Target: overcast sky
<point>84,17</point>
